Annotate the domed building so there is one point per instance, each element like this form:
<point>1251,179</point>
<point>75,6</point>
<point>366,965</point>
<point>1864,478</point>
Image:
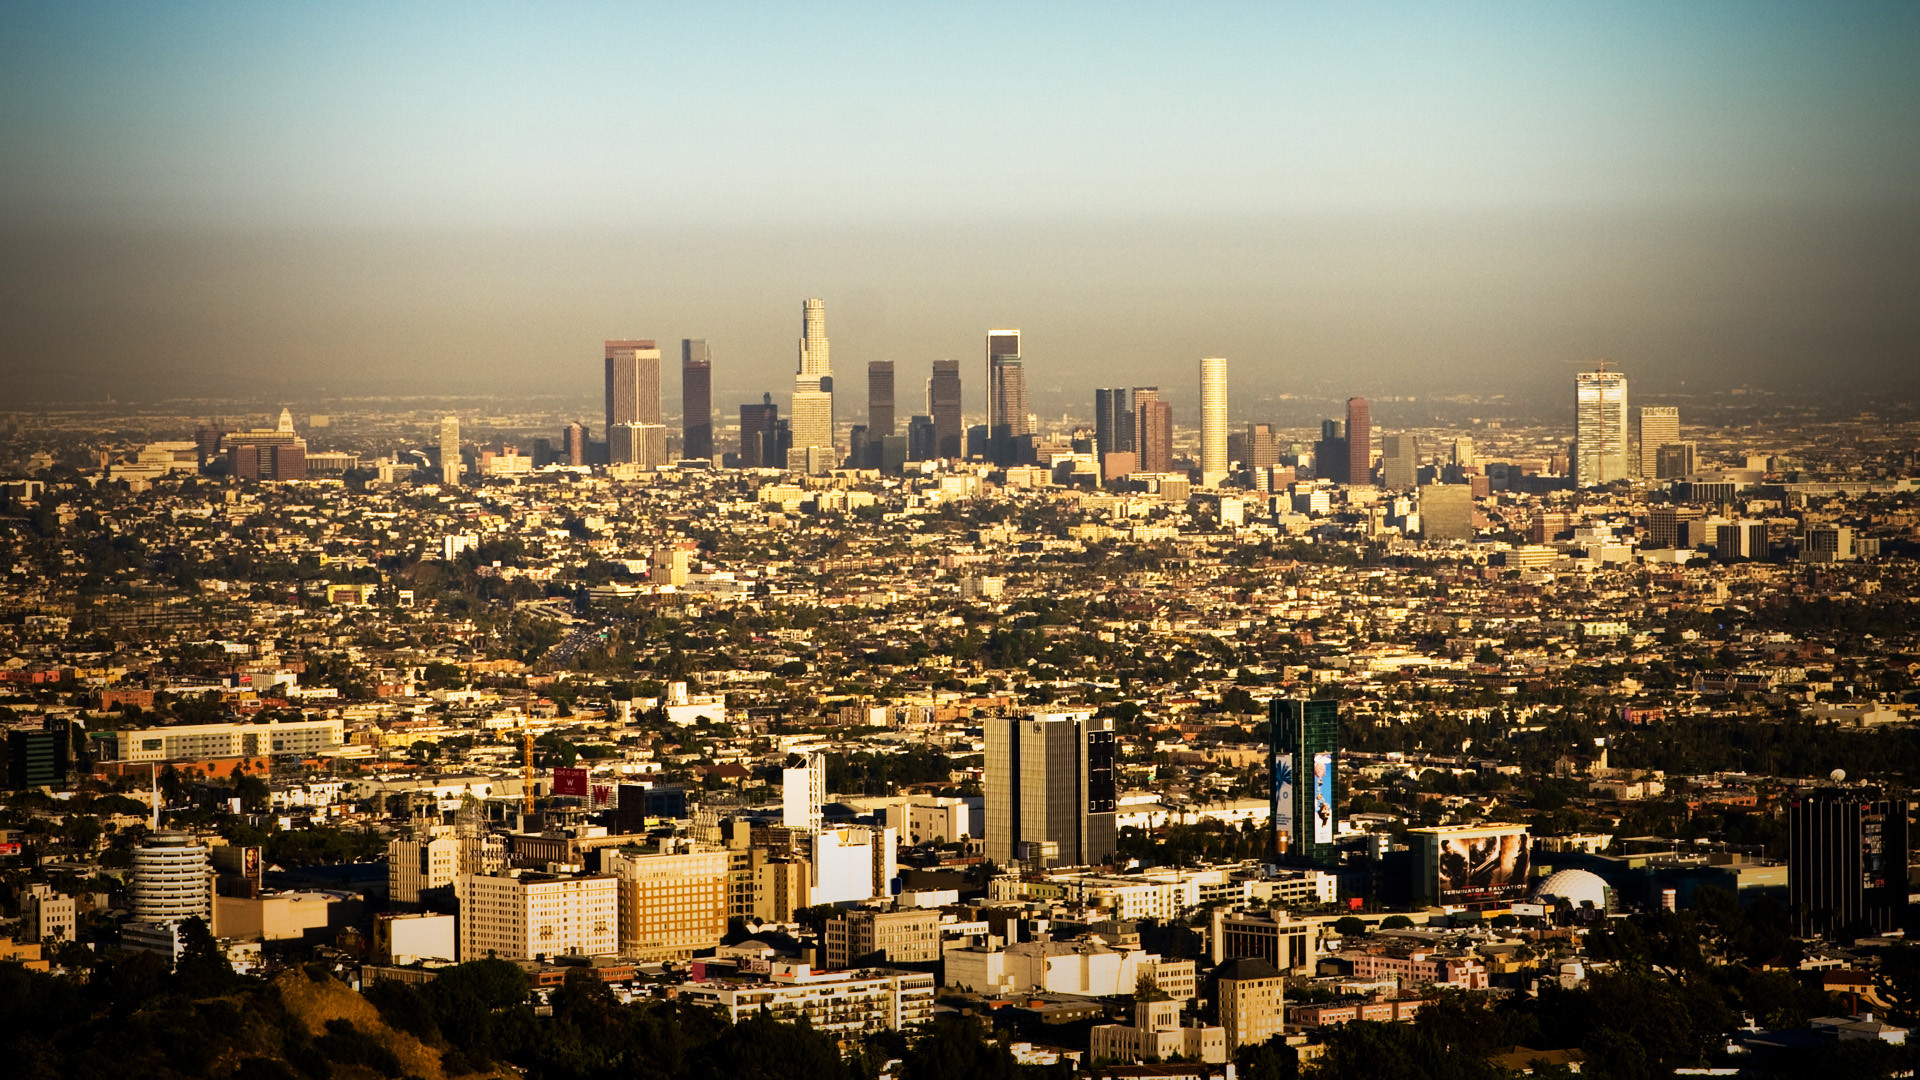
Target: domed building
<point>1578,890</point>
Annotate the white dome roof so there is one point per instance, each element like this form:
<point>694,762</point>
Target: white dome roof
<point>1577,887</point>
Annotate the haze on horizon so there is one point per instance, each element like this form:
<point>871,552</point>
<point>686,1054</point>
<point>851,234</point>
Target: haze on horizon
<point>363,199</point>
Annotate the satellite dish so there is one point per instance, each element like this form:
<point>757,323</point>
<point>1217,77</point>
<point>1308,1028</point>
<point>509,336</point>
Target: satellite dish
<point>1837,775</point>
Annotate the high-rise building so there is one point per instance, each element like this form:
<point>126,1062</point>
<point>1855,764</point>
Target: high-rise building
<point>943,401</point>
<point>1359,443</point>
<point>520,916</point>
<point>922,441</point>
<point>1050,788</point>
<point>759,425</point>
<point>1330,453</point>
<point>1305,748</point>
<point>812,413</point>
<point>882,938</point>
<point>1463,453</point>
<point>1006,386</point>
<point>433,856</point>
<point>450,450</point>
<point>1251,995</point>
<point>576,439</point>
<point>1213,421</point>
<point>1112,421</point>
<point>1152,430</point>
<point>633,382</point>
<point>696,399</point>
<point>1676,460</point>
<point>671,904</point>
<point>879,400</point>
<point>1446,511</point>
<point>172,880</point>
<point>1847,862</point>
<point>803,792</point>
<point>1400,462</point>
<point>1659,426</point>
<point>1600,428</point>
<point>1263,447</point>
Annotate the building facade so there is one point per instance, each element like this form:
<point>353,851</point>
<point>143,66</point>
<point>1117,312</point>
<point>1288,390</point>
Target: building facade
<point>1600,429</point>
<point>865,937</point>
<point>1213,421</point>
<point>1359,463</point>
<point>944,404</point>
<point>1659,426</point>
<point>1049,781</point>
<point>696,399</point>
<point>671,905</point>
<point>526,916</point>
<point>879,400</point>
<point>1305,748</point>
<point>1251,996</point>
<point>1847,862</point>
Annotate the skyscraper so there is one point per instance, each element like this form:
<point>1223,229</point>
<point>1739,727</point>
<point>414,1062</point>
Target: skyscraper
<point>1659,426</point>
<point>1330,458</point>
<point>1847,862</point>
<point>1006,386</point>
<point>1263,446</point>
<point>1359,443</point>
<point>576,444</point>
<point>1213,421</point>
<point>696,399</point>
<point>758,423</point>
<point>1050,788</point>
<point>812,413</point>
<point>1399,462</point>
<point>943,401</point>
<point>1305,748</point>
<point>1600,428</point>
<point>1152,430</point>
<point>450,450</point>
<point>879,400</point>
<point>633,383</point>
<point>1112,421</point>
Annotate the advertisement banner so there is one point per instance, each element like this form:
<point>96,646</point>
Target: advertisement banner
<point>1484,867</point>
<point>570,782</point>
<point>1323,798</point>
<point>603,794</point>
<point>1283,794</point>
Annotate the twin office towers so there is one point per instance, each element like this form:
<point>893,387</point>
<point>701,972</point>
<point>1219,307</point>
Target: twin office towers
<point>1133,422</point>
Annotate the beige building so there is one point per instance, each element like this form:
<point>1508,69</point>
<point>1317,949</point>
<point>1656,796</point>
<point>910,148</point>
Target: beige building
<point>523,916</point>
<point>1251,994</point>
<point>671,905</point>
<point>284,916</point>
<point>434,857</point>
<point>883,937</point>
<point>840,1001</point>
<point>47,916</point>
<point>1156,1035</point>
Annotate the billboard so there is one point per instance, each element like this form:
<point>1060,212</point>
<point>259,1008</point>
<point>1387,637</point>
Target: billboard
<point>1283,794</point>
<point>1323,798</point>
<point>1476,865</point>
<point>570,782</point>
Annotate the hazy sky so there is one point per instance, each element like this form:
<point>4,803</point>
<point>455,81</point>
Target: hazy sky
<point>284,199</point>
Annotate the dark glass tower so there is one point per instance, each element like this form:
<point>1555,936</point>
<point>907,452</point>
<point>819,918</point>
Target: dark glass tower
<point>1847,862</point>
<point>696,399</point>
<point>1304,758</point>
<point>943,401</point>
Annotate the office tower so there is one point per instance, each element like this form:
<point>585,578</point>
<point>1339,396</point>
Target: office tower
<point>172,880</point>
<point>1463,453</point>
<point>1305,749</point>
<point>450,450</point>
<point>1251,995</point>
<point>1359,443</point>
<point>812,414</point>
<point>895,450</point>
<point>1006,385</point>
<point>1659,425</point>
<point>1213,421</point>
<point>1400,462</point>
<point>1741,539</point>
<point>1600,428</point>
<point>672,904</point>
<point>1152,430</point>
<point>1330,453</point>
<point>1112,421</point>
<point>758,424</point>
<point>696,399</point>
<point>1666,525</point>
<point>638,444</point>
<point>1446,511</point>
<point>803,790</point>
<point>1050,791</point>
<point>1263,447</point>
<point>576,440</point>
<point>879,400</point>
<point>943,401</point>
<point>1675,460</point>
<point>633,383</point>
<point>860,450</point>
<point>39,758</point>
<point>923,440</point>
<point>1847,862</point>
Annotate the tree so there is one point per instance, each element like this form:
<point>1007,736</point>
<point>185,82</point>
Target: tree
<point>956,1048</point>
<point>202,970</point>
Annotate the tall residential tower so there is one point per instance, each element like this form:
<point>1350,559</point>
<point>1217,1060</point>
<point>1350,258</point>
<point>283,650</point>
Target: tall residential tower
<point>1213,421</point>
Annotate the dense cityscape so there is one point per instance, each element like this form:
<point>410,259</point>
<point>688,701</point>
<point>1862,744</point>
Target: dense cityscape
<point>396,741</point>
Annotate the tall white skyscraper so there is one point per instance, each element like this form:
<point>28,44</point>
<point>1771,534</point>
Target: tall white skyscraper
<point>1213,421</point>
<point>812,422</point>
<point>1600,428</point>
<point>450,450</point>
<point>1659,426</point>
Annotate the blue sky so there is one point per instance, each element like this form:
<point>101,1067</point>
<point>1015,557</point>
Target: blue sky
<point>899,159</point>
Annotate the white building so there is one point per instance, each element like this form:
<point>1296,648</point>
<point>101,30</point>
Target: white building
<point>853,863</point>
<point>519,916</point>
<point>803,789</point>
<point>186,742</point>
<point>873,999</point>
<point>172,880</point>
<point>1213,421</point>
<point>1600,429</point>
<point>1088,967</point>
<point>410,939</point>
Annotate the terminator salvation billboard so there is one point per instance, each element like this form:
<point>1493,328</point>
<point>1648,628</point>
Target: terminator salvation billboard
<point>1474,864</point>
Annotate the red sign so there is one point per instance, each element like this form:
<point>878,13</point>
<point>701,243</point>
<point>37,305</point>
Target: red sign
<point>9,849</point>
<point>570,782</point>
<point>603,794</point>
<point>1354,903</point>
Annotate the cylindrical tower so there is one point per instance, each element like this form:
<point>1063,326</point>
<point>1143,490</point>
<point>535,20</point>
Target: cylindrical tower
<point>170,879</point>
<point>1213,421</point>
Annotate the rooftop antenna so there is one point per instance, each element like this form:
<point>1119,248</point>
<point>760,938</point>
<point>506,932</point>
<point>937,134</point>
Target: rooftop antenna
<point>153,825</point>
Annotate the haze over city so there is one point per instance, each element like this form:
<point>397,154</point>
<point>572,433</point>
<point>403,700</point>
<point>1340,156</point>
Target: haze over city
<point>226,199</point>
